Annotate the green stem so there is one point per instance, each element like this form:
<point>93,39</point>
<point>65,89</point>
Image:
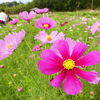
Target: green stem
<point>11,77</point>
<point>62,95</point>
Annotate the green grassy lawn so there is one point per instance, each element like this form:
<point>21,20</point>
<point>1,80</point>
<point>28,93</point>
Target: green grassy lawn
<point>21,70</point>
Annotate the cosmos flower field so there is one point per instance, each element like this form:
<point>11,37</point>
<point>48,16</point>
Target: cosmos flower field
<point>54,57</point>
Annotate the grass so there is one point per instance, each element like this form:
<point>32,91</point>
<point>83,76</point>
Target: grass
<point>35,84</point>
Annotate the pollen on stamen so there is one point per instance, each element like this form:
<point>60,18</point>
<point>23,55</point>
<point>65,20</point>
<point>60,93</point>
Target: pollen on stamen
<point>49,38</point>
<point>45,25</point>
<point>9,46</point>
<point>98,26</point>
<point>36,48</point>
<point>69,64</point>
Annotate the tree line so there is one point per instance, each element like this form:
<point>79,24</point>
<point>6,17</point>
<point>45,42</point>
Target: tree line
<point>53,5</point>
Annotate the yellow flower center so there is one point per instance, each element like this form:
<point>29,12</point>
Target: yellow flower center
<point>49,38</point>
<point>69,64</point>
<point>45,25</point>
<point>36,48</point>
<point>98,26</point>
<point>9,46</point>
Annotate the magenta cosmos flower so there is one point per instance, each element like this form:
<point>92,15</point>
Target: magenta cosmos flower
<point>36,48</point>
<point>45,23</point>
<point>67,65</point>
<point>10,43</point>
<point>14,21</point>
<point>45,38</point>
<point>25,16</point>
<point>95,27</point>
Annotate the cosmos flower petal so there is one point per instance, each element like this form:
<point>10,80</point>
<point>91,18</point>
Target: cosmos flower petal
<point>72,84</point>
<point>92,58</point>
<point>42,36</point>
<point>50,57</point>
<point>63,48</point>
<point>78,51</point>
<point>49,68</point>
<point>71,44</point>
<point>88,76</point>
<point>58,79</point>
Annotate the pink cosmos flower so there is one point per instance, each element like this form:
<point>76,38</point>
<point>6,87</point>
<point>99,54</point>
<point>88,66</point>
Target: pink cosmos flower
<point>14,21</point>
<point>66,64</point>
<point>36,48</point>
<point>95,27</point>
<point>10,43</point>
<point>25,16</point>
<point>45,23</point>
<point>19,36</point>
<point>45,38</point>
<point>44,10</point>
<point>8,46</point>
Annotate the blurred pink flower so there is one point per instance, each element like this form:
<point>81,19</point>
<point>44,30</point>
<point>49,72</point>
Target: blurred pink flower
<point>67,66</point>
<point>45,38</point>
<point>63,24</point>
<point>15,21</point>
<point>36,48</point>
<point>27,23</point>
<point>25,16</point>
<point>44,10</point>
<point>92,92</point>
<point>77,5</point>
<point>74,26</point>
<point>45,23</point>
<point>95,27</point>
<point>98,42</point>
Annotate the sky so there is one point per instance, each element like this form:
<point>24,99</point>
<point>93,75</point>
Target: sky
<point>23,1</point>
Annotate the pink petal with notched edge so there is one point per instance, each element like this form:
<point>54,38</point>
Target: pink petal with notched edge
<point>58,79</point>
<point>88,76</point>
<point>42,36</point>
<point>50,57</point>
<point>49,68</point>
<point>53,34</point>
<point>92,58</point>
<point>63,48</point>
<point>78,51</point>
<point>72,84</point>
<point>58,37</point>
